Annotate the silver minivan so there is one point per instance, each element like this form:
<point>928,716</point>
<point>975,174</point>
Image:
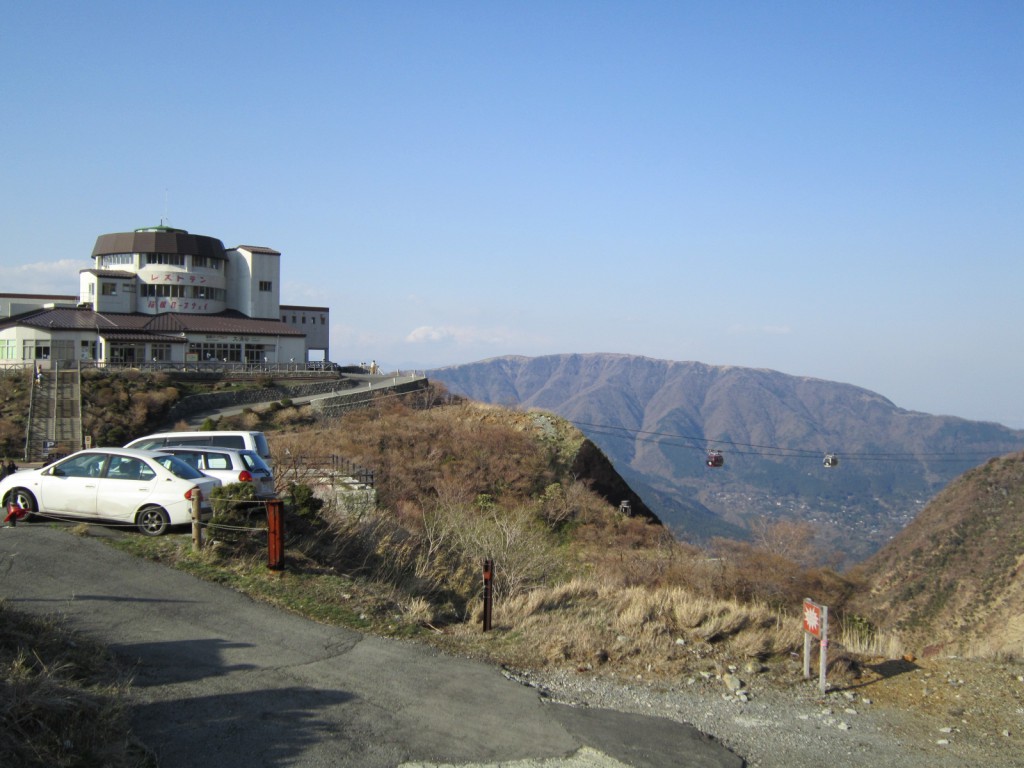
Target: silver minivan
<point>251,441</point>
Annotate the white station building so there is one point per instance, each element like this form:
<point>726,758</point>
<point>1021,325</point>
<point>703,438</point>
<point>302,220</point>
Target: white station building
<point>161,295</point>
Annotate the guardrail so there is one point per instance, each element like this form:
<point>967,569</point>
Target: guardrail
<point>333,464</point>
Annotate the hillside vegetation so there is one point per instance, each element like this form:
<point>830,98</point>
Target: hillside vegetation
<point>655,420</point>
<point>15,390</point>
<point>577,581</point>
<point>951,582</point>
<point>119,405</point>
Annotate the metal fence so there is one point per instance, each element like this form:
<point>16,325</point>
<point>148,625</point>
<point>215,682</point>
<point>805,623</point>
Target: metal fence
<point>335,465</point>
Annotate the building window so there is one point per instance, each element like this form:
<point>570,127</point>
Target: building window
<point>266,286</point>
<point>163,290</point>
<point>213,294</point>
<point>128,352</point>
<point>62,349</point>
<point>35,350</point>
<point>216,352</point>
<point>323,320</point>
<point>205,262</point>
<point>116,260</point>
<point>171,259</point>
<point>108,289</point>
<point>303,319</point>
<point>8,349</point>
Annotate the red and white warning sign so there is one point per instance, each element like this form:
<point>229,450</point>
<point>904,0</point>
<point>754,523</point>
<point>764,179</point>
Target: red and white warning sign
<point>812,618</point>
<point>816,625</point>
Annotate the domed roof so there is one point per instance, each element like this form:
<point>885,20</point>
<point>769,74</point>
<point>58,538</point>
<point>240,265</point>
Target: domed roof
<point>159,240</point>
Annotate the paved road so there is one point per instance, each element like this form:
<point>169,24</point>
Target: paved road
<point>222,680</point>
<point>364,383</point>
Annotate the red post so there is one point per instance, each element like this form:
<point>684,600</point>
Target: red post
<point>488,592</point>
<point>275,535</point>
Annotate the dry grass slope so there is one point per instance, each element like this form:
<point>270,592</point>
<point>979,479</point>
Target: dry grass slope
<point>951,582</point>
<point>577,582</point>
<point>62,700</point>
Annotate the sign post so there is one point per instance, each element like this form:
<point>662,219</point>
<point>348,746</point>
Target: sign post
<point>816,625</point>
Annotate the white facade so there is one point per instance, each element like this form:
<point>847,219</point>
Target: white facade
<point>255,281</point>
<point>314,322</point>
<point>160,295</point>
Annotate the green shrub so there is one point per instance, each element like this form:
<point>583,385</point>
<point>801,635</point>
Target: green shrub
<point>303,501</point>
<point>235,509</point>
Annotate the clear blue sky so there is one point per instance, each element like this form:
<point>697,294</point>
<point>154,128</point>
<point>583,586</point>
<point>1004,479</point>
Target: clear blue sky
<point>825,189</point>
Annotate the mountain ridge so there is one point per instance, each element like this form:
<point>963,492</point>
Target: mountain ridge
<point>656,419</point>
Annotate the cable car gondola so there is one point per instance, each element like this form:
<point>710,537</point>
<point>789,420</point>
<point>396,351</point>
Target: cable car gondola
<point>831,460</point>
<point>715,459</point>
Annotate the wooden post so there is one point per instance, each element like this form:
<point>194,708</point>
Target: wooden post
<point>807,655</point>
<point>488,592</point>
<point>823,652</point>
<point>197,527</point>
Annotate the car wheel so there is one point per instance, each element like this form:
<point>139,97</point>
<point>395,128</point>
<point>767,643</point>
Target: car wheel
<point>153,521</point>
<point>23,498</point>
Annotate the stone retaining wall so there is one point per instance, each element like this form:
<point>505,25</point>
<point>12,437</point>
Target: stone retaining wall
<point>346,401</point>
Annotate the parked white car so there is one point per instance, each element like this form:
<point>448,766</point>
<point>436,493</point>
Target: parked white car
<point>147,489</point>
<point>239,440</point>
<point>229,466</point>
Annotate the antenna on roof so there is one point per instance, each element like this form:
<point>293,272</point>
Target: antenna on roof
<point>163,219</point>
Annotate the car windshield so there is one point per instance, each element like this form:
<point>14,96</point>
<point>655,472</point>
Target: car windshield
<point>176,466</point>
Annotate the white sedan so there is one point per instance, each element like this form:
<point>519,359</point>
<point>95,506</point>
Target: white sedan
<point>147,489</point>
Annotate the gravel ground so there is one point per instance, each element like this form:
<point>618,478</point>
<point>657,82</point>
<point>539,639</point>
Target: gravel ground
<point>935,714</point>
